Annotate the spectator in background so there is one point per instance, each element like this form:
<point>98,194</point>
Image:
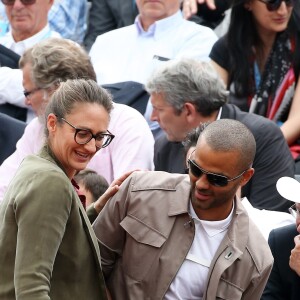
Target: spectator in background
<point>173,236</point>
<point>107,15</point>
<point>160,33</point>
<point>28,26</point>
<point>65,17</point>
<point>91,184</point>
<point>259,61</point>
<point>11,130</point>
<point>185,94</point>
<point>205,12</point>
<point>284,281</point>
<point>55,60</point>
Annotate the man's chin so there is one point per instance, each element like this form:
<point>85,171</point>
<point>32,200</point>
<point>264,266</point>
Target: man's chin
<point>172,138</point>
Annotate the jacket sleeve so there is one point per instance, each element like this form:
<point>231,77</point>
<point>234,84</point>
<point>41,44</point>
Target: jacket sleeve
<point>274,289</point>
<point>110,234</point>
<point>41,210</point>
<point>255,289</point>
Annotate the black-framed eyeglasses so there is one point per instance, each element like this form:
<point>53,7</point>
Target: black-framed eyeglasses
<point>28,93</point>
<point>83,136</point>
<point>294,211</point>
<point>12,2</point>
<point>273,5</point>
<point>213,179</point>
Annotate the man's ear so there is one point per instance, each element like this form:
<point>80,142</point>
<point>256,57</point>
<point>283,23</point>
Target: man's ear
<point>190,110</point>
<point>247,176</point>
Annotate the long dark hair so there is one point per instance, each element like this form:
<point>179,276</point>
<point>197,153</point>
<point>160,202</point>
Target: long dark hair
<point>242,35</point>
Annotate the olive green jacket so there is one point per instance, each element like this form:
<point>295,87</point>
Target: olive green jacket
<point>48,249</point>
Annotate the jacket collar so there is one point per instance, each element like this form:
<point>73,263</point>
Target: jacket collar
<point>47,153</point>
<point>228,111</point>
<point>179,204</point>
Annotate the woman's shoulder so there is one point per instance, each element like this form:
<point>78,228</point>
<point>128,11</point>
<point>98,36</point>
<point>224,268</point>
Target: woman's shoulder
<point>219,53</point>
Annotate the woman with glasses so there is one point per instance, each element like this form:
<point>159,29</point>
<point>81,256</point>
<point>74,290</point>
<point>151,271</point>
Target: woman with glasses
<point>47,247</point>
<point>259,60</point>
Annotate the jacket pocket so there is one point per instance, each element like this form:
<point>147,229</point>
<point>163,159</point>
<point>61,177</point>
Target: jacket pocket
<point>142,247</point>
<point>228,291</point>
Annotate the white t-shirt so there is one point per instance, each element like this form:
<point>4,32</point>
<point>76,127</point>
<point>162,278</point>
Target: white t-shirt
<point>190,281</point>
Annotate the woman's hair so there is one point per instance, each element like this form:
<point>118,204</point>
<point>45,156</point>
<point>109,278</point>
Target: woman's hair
<point>54,60</point>
<point>73,92</point>
<point>242,35</point>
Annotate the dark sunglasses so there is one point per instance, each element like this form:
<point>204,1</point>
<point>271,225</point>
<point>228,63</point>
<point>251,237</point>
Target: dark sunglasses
<point>12,2</point>
<point>213,179</point>
<point>273,5</point>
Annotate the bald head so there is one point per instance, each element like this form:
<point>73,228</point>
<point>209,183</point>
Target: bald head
<point>227,135</point>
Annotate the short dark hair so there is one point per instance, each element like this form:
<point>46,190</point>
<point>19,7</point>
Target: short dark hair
<point>228,135</point>
<point>93,182</point>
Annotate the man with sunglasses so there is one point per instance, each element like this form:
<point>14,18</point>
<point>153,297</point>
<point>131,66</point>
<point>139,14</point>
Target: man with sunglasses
<point>185,94</point>
<point>284,242</point>
<point>178,236</point>
<point>28,25</point>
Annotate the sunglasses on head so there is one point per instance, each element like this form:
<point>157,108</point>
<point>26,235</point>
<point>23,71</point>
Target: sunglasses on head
<point>273,5</point>
<point>12,2</point>
<point>212,178</point>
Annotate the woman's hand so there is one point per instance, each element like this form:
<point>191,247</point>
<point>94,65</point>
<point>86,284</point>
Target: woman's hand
<point>111,191</point>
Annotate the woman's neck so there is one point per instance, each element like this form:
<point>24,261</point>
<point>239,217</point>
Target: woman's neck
<point>263,50</point>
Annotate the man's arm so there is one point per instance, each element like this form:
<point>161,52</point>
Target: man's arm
<point>29,143</point>
<point>108,230</point>
<point>11,89</point>
<point>274,289</point>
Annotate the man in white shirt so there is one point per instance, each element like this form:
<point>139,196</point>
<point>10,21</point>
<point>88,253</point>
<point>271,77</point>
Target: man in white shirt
<point>160,33</point>
<point>28,26</point>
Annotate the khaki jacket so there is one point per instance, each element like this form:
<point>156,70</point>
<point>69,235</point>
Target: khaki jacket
<point>145,233</point>
<point>48,249</point>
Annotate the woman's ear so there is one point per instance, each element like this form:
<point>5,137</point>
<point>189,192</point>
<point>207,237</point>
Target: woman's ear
<point>51,122</point>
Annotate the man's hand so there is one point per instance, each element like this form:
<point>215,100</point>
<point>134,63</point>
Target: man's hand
<point>111,191</point>
<point>190,8</point>
<point>295,256</point>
